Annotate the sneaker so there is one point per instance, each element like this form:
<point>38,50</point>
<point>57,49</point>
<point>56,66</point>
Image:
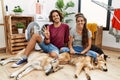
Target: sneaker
<point>19,62</point>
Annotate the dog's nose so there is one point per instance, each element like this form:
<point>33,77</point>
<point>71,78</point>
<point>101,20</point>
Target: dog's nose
<point>49,70</point>
<point>47,73</point>
<point>105,70</point>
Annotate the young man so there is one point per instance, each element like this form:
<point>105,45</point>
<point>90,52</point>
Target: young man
<point>56,37</point>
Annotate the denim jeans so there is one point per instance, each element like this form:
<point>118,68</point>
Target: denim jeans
<point>48,48</point>
<point>79,49</point>
<point>51,48</point>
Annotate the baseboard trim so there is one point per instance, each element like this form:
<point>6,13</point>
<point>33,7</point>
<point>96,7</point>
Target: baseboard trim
<point>111,48</point>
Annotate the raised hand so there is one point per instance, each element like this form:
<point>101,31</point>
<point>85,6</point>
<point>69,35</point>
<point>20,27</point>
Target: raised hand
<point>46,31</point>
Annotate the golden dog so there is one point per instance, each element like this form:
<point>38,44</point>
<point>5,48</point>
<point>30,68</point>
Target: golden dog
<point>83,62</point>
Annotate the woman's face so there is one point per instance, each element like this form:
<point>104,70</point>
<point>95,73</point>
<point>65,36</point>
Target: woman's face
<point>80,22</point>
<point>56,17</point>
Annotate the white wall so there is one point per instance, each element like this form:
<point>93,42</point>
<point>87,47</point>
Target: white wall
<point>29,5</point>
<point>108,39</point>
<point>94,12</point>
<point>2,37</point>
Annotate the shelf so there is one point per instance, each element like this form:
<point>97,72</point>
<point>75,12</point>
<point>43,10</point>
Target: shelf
<point>15,41</point>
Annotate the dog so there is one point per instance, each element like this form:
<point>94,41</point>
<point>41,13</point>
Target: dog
<point>98,50</point>
<point>83,62</point>
<point>36,60</point>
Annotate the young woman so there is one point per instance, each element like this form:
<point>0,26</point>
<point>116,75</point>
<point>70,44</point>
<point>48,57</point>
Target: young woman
<point>56,36</point>
<point>80,38</point>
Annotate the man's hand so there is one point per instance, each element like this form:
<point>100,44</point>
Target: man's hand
<point>46,32</point>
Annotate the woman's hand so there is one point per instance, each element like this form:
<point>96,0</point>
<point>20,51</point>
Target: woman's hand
<point>72,51</point>
<point>83,52</point>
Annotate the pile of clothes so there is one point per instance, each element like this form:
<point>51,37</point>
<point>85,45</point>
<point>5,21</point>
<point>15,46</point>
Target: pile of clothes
<point>115,29</point>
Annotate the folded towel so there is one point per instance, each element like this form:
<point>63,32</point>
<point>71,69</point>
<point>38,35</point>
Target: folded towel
<point>93,28</point>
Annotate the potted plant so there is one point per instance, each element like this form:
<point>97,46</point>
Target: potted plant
<point>17,10</point>
<point>61,6</point>
<point>20,27</point>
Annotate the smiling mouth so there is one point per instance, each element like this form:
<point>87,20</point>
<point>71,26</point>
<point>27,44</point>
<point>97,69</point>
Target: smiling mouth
<point>56,18</point>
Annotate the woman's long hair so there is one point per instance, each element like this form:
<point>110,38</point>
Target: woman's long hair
<point>84,30</point>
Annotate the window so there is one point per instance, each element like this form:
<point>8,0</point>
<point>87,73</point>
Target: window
<point>95,13</point>
<point>1,12</point>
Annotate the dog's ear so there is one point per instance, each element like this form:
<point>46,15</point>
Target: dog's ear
<point>103,56</point>
<point>106,56</point>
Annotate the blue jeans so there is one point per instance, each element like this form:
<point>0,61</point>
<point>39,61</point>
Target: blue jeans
<point>48,48</point>
<point>79,49</point>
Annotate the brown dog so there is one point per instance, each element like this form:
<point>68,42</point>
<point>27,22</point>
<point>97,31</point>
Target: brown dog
<point>83,62</point>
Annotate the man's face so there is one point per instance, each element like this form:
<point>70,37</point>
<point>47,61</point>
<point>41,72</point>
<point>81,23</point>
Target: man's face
<point>56,17</point>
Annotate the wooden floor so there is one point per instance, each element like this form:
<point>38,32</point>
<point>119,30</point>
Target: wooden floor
<point>67,72</point>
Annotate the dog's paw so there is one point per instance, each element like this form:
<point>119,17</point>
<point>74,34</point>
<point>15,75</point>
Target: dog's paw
<point>18,77</point>
<point>13,75</point>
<point>91,67</point>
<point>75,76</point>
<point>2,63</point>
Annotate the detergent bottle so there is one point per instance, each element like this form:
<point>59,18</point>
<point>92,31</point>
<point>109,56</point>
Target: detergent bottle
<point>38,7</point>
